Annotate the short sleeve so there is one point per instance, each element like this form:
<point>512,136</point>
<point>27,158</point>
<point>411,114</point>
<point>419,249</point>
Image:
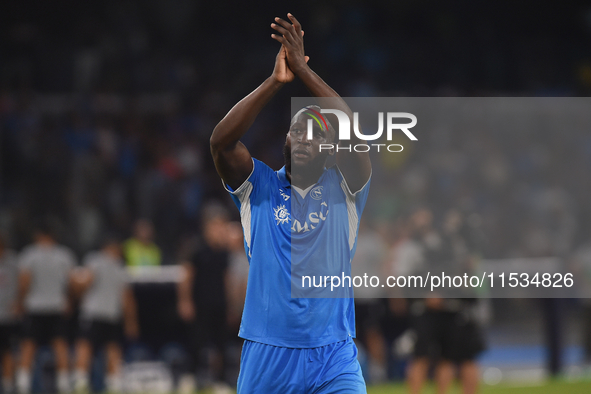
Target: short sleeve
<point>254,188</point>
<point>11,258</point>
<point>124,274</point>
<point>25,260</point>
<point>89,261</point>
<point>355,204</point>
<point>359,197</point>
<point>69,259</point>
<point>251,186</point>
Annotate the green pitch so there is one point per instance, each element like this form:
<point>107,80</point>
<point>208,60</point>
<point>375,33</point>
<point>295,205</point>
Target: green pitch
<point>552,387</point>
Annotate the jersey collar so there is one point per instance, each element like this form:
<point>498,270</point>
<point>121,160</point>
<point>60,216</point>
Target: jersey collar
<point>282,175</point>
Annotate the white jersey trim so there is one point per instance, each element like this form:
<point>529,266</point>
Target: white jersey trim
<point>352,208</point>
<point>347,190</point>
<point>243,193</point>
<point>303,192</point>
<point>241,187</point>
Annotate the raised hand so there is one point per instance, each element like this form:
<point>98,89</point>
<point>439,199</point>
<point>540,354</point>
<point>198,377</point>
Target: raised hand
<point>292,39</point>
<point>282,73</point>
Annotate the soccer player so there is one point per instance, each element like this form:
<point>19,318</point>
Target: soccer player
<point>140,250</point>
<point>8,281</point>
<point>45,281</point>
<point>294,345</point>
<point>107,311</point>
<point>447,329</point>
<point>202,301</point>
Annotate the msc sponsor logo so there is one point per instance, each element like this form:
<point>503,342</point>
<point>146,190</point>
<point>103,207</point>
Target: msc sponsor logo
<point>281,214</point>
<point>316,193</point>
<point>312,221</point>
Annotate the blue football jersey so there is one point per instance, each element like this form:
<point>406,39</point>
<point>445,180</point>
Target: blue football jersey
<point>288,234</point>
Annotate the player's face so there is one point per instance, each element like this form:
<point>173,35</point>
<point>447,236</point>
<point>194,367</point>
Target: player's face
<point>114,249</point>
<point>304,151</point>
<point>144,231</point>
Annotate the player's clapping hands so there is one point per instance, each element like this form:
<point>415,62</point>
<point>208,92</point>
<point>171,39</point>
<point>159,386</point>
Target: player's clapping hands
<point>291,58</point>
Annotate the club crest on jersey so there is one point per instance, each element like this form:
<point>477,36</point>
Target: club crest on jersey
<point>281,214</point>
<point>285,196</point>
<point>316,193</point>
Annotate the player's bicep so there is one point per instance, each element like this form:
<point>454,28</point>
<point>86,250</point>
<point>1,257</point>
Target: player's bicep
<point>357,196</point>
<point>355,168</point>
<point>234,164</point>
<point>25,278</point>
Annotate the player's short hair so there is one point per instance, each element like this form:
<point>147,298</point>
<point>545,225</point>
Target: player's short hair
<point>314,112</point>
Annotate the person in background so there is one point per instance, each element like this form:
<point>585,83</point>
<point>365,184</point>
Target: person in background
<point>140,250</point>
<point>107,311</point>
<point>202,297</point>
<point>447,329</point>
<point>237,275</point>
<point>429,319</point>
<point>369,301</point>
<point>44,286</point>
<point>463,246</point>
<point>8,315</point>
<point>580,263</point>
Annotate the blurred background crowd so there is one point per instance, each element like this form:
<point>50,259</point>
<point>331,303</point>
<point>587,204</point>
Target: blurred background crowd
<point>106,111</point>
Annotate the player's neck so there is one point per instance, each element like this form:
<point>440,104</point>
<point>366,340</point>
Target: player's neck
<point>303,181</point>
<point>45,242</point>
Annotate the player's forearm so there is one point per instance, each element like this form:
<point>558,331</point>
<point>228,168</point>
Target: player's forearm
<point>24,282</point>
<point>185,292</point>
<point>355,166</point>
<point>315,85</point>
<point>129,307</point>
<point>185,285</point>
<point>320,89</point>
<point>235,124</point>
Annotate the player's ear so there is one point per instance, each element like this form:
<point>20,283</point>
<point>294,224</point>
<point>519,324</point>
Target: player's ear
<point>331,150</point>
<point>332,134</point>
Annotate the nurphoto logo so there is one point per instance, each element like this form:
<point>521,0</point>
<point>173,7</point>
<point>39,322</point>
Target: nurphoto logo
<point>344,130</point>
